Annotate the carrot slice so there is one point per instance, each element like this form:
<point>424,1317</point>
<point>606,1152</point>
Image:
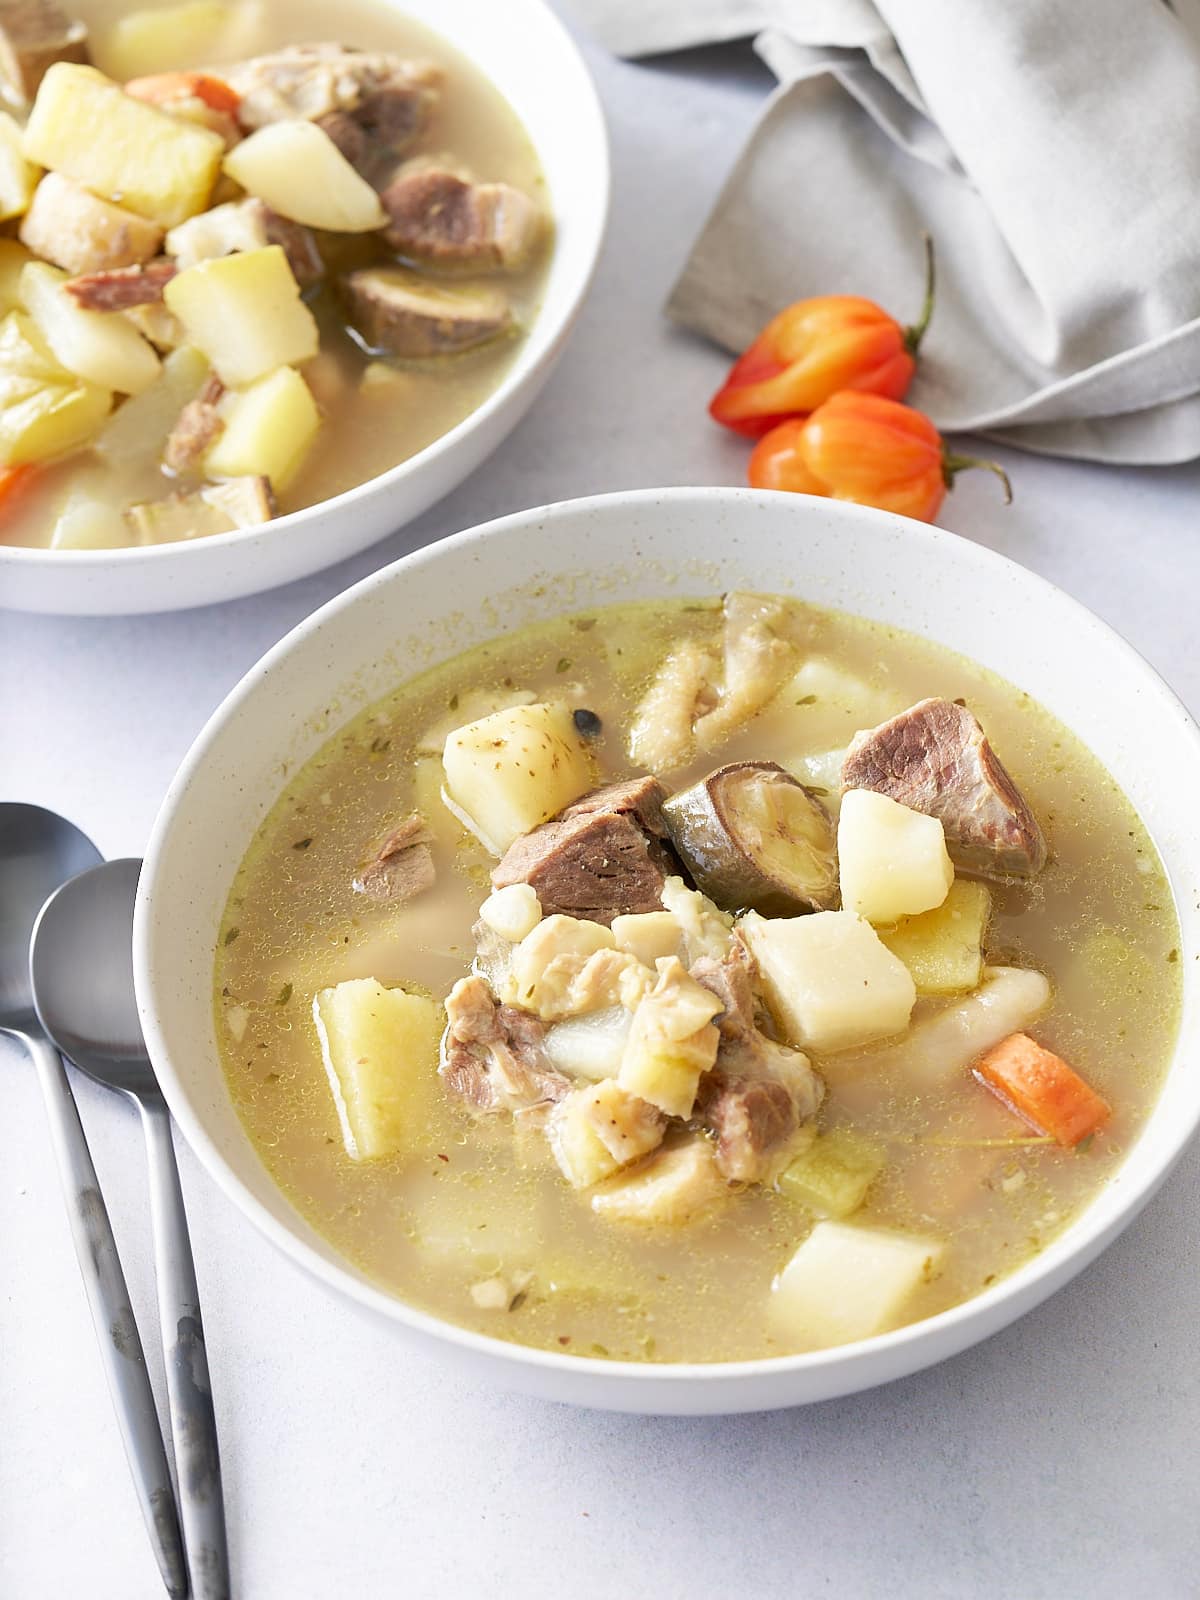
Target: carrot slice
<point>162,87</point>
<point>1042,1088</point>
<point>13,482</point>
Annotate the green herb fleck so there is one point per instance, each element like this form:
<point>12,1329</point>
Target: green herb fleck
<point>231,934</point>
<point>1172,955</point>
<point>285,994</point>
<point>807,700</point>
<point>453,702</point>
<point>564,664</point>
<point>1085,1143</point>
<point>302,844</point>
<point>378,746</point>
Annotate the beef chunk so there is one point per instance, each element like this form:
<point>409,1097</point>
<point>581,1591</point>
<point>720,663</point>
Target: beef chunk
<point>123,287</point>
<point>603,857</point>
<point>197,427</point>
<point>493,1055</point>
<point>398,313</point>
<point>758,1093</point>
<point>389,98</point>
<point>439,219</point>
<point>34,34</point>
<point>402,866</point>
<point>936,758</point>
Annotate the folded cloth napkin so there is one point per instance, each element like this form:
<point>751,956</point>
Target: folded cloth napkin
<point>1050,147</point>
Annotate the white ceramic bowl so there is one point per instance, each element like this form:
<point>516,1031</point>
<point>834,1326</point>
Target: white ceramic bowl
<point>523,48</point>
<point>618,547</point>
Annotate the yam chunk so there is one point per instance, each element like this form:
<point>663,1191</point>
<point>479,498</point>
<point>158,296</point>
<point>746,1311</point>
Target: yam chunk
<point>829,980</point>
<point>82,233</point>
<point>600,1128</point>
<point>892,861</point>
<point>300,173</point>
<point>245,313</point>
<point>84,126</point>
<point>380,1049</point>
<point>847,1282</point>
<point>514,769</point>
<point>267,430</point>
<point>672,1188</point>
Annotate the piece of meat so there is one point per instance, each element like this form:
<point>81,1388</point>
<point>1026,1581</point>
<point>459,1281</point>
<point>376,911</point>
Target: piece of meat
<point>123,287</point>
<point>936,758</point>
<point>82,233</point>
<point>390,98</point>
<point>402,866</point>
<point>347,133</point>
<point>197,427</point>
<point>441,220</point>
<point>399,313</point>
<point>758,1092</point>
<point>493,1055</point>
<point>248,224</point>
<point>603,857</point>
<point>34,34</point>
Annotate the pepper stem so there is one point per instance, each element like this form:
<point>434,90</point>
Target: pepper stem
<point>953,465</point>
<point>914,334</point>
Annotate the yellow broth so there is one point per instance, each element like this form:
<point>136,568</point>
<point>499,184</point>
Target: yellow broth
<point>468,1200</point>
<point>375,412</point>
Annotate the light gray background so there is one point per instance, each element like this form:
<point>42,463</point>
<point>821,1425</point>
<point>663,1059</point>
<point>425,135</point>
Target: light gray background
<point>1058,1460</point>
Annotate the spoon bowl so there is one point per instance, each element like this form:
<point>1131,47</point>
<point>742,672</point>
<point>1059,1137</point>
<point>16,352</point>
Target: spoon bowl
<point>39,850</point>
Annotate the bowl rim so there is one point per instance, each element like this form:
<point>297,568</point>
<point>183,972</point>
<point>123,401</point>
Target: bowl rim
<point>1029,1283</point>
<point>540,341</point>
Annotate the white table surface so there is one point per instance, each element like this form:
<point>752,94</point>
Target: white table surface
<point>1059,1459</point>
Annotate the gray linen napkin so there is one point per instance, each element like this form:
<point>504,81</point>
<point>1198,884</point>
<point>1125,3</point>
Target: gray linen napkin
<point>1052,149</point>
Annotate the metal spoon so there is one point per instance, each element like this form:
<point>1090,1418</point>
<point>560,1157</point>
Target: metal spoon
<point>39,851</point>
<point>82,968</point>
<point>81,961</point>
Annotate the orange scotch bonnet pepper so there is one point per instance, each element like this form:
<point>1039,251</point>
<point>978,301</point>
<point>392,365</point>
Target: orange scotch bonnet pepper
<point>814,348</point>
<point>867,449</point>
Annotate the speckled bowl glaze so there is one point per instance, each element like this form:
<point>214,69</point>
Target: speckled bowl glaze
<point>637,546</point>
<point>523,48</point>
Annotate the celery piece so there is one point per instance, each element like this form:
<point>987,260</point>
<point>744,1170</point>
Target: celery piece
<point>833,1175</point>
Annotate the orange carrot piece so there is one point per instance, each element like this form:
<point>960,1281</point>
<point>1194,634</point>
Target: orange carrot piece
<point>162,87</point>
<point>13,482</point>
<point>1042,1088</point>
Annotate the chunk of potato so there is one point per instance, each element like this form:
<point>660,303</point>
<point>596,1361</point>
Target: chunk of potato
<point>18,177</point>
<point>13,259</point>
<point>672,1188</point>
<point>597,1129</point>
<point>145,42</point>
<point>847,1282</point>
<point>84,126</point>
<point>380,1049</point>
<point>100,346</point>
<point>829,980</point>
<point>86,523</point>
<point>511,770</point>
<point>300,173</point>
<point>671,1041</point>
<point>943,948</point>
<point>45,411</point>
<point>825,705</point>
<point>892,861</point>
<point>269,430</point>
<point>245,313</point>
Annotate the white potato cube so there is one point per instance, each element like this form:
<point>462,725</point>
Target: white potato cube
<point>648,935</point>
<point>893,861</point>
<point>674,1187</point>
<point>380,1049</point>
<point>300,173</point>
<point>847,1282</point>
<point>512,912</point>
<point>18,177</point>
<point>516,768</point>
<point>100,346</point>
<point>829,980</point>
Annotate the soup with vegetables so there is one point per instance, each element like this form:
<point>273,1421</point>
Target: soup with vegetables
<point>251,254</point>
<point>701,981</point>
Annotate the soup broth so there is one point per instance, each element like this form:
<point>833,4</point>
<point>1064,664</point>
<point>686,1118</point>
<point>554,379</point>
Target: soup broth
<point>472,1198</point>
<point>376,408</point>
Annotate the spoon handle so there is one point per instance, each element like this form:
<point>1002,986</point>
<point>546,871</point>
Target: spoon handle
<point>112,1314</point>
<point>189,1393</point>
